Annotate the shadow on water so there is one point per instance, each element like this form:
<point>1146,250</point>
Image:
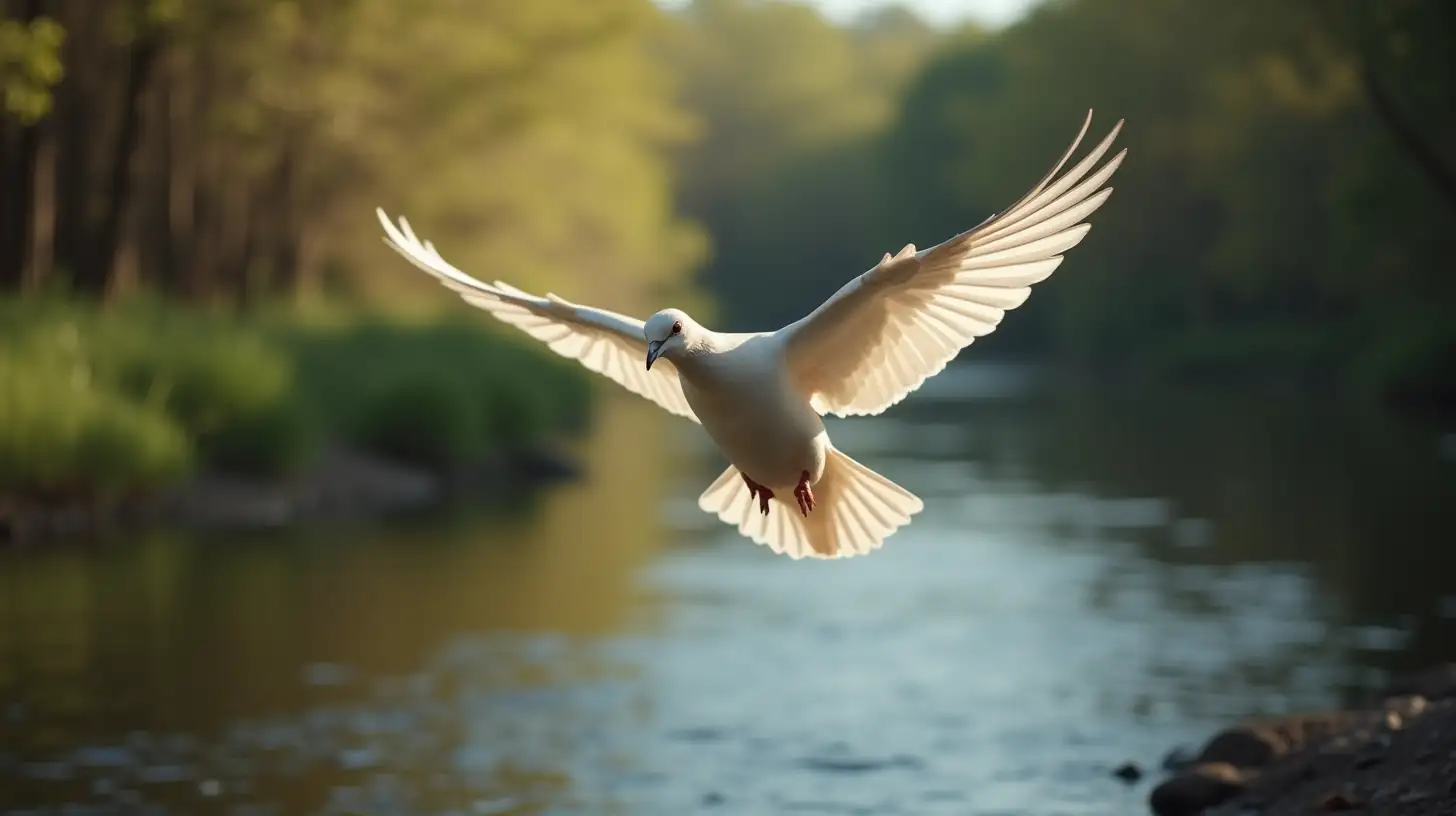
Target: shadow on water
<point>1099,573</point>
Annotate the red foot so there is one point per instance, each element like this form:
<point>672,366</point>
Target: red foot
<point>804,494</point>
<point>759,492</point>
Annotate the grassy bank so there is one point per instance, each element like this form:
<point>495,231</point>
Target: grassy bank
<point>108,404</point>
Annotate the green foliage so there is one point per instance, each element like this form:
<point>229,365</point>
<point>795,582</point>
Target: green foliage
<point>1264,209</point>
<point>226,386</point>
<point>65,435</point>
<point>1271,216</point>
<point>30,66</point>
<point>533,137</point>
<point>209,381</point>
<point>440,394</point>
<point>105,402</point>
<point>268,440</point>
<point>540,127</point>
<point>421,419</point>
<point>521,136</point>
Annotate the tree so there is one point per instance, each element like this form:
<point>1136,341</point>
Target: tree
<point>231,150</point>
<point>784,176</point>
<point>1263,197</point>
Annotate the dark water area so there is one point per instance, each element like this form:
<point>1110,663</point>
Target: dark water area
<point>1100,573</point>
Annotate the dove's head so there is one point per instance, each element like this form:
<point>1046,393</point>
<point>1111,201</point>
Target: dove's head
<point>668,333</point>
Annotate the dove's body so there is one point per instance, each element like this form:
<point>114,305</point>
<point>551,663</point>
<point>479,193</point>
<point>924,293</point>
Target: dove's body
<point>754,414</point>
<point>761,397</point>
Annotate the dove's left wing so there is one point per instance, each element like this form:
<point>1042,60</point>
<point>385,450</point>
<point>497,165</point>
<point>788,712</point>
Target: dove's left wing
<point>888,330</point>
<point>605,342</point>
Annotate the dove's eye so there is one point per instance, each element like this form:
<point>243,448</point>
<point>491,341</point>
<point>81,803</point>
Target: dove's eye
<point>677,327</point>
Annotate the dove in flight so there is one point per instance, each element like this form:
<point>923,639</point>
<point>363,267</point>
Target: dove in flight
<point>762,396</point>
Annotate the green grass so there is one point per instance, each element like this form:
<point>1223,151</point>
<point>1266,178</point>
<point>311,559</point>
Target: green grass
<point>100,403</point>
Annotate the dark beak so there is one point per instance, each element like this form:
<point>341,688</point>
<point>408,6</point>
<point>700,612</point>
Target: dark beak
<point>653,349</point>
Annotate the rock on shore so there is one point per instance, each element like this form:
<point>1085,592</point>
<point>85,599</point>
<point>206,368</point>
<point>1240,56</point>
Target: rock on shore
<point>1396,757</point>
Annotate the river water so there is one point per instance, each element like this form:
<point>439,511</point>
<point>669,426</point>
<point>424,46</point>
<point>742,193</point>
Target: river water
<point>1099,574</point>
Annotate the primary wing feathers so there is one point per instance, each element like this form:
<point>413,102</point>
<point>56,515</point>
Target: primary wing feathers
<point>887,331</point>
<point>605,342</point>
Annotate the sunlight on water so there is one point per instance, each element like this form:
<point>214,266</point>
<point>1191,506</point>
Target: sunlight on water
<point>1094,579</point>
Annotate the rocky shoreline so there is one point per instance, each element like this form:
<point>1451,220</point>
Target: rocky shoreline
<point>1396,756</point>
<point>341,484</point>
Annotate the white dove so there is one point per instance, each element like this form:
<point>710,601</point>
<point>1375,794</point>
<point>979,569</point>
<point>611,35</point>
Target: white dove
<point>761,396</point>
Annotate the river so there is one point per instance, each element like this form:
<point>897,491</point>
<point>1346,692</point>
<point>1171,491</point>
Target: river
<point>1100,573</point>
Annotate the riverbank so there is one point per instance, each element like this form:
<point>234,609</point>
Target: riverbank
<point>1406,365</point>
<point>142,412</point>
<point>341,484</point>
<point>1395,757</point>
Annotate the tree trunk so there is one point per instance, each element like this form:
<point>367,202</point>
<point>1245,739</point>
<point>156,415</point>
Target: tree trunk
<point>9,277</point>
<point>43,223</point>
<point>75,125</point>
<point>95,274</point>
<point>6,152</point>
<point>277,200</point>
<point>236,240</point>
<point>15,235</point>
<point>167,262</point>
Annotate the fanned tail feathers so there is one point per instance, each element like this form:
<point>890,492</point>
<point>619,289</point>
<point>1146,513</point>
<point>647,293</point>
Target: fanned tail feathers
<point>856,510</point>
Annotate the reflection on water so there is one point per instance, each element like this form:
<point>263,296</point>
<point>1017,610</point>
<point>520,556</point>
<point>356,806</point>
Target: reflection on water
<point>1097,576</point>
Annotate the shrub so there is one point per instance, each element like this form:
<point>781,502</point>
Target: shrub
<point>483,388</point>
<point>207,383</point>
<point>514,405</point>
<point>63,435</point>
<point>272,440</point>
<point>420,418</point>
<point>122,399</point>
<point>230,389</point>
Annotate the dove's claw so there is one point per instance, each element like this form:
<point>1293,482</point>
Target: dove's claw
<point>759,492</point>
<point>804,494</point>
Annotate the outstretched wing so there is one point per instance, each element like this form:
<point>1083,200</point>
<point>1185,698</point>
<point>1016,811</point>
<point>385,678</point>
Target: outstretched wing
<point>605,342</point>
<point>888,330</point>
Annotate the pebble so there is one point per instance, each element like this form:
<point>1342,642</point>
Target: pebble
<point>1340,802</point>
<point>1128,772</point>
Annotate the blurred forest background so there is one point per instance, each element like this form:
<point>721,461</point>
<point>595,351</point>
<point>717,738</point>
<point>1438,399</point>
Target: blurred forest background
<point>187,194</point>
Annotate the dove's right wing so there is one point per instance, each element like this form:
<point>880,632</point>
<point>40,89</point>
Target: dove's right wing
<point>883,333</point>
<point>605,342</point>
